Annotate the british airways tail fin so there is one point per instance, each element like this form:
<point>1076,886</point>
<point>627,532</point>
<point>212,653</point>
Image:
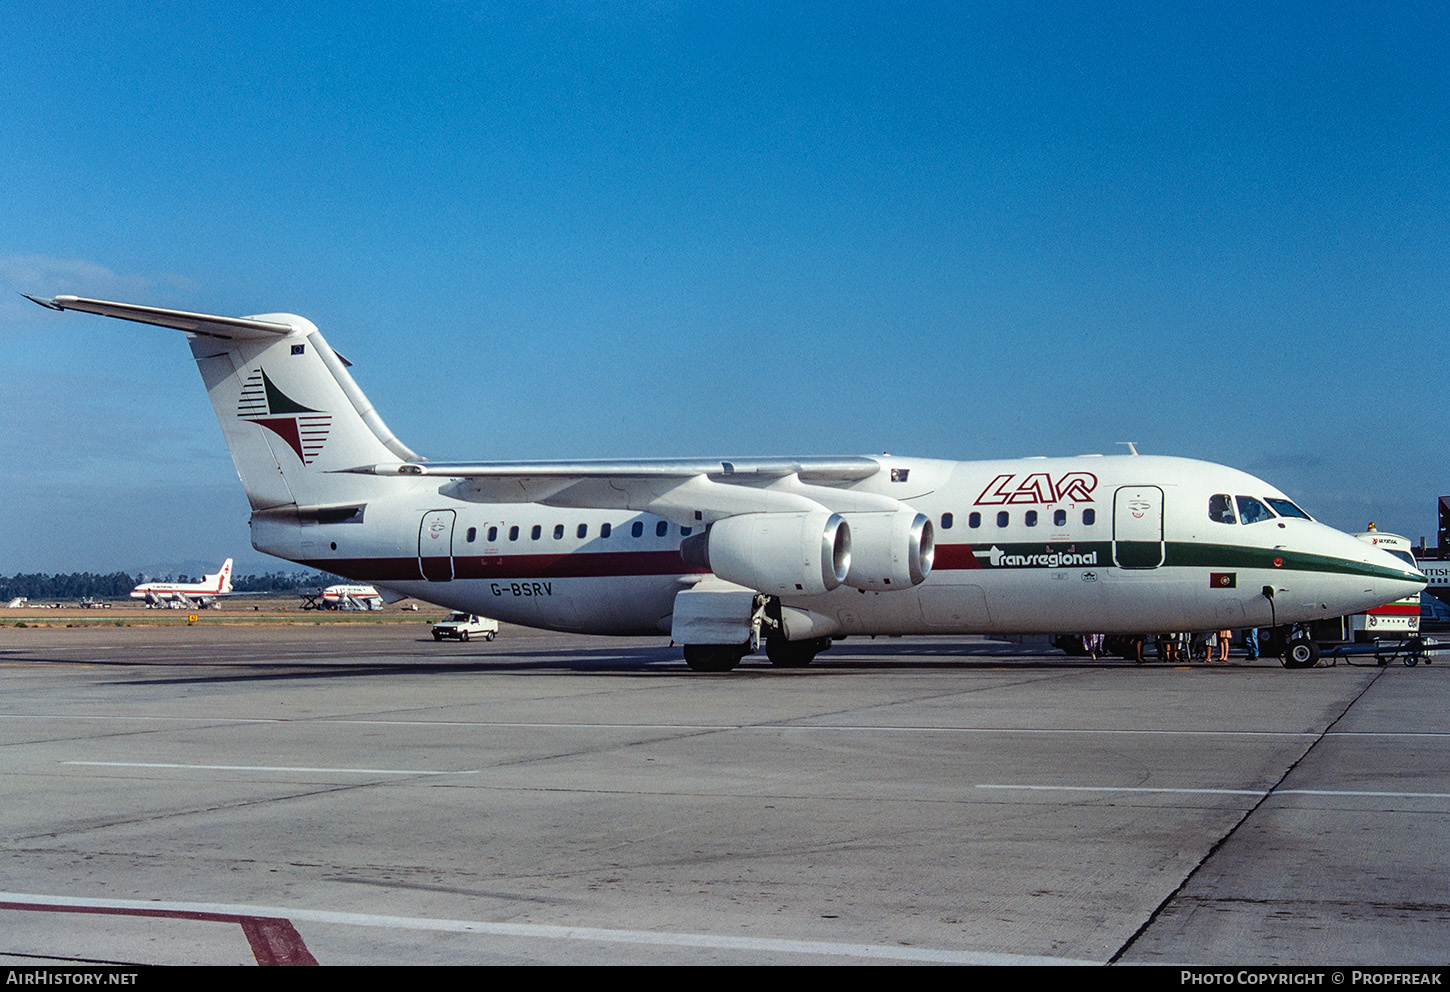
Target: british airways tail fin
<point>291,413</point>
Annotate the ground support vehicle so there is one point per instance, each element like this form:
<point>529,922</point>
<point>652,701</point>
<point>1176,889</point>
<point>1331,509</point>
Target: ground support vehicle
<point>1412,651</point>
<point>462,626</point>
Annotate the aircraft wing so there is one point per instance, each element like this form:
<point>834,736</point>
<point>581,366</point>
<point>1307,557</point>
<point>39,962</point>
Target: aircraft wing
<point>687,491</point>
<point>238,328</point>
<point>837,470</point>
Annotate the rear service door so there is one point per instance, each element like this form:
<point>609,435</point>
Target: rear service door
<point>435,546</point>
<point>1138,527</point>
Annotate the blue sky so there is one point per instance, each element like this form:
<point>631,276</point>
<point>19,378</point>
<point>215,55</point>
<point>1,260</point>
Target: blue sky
<point>554,230</point>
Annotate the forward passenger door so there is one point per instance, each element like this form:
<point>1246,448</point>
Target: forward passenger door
<point>1138,527</point>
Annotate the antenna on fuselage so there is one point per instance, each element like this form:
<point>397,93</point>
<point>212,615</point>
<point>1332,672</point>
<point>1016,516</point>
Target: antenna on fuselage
<point>1132,446</point>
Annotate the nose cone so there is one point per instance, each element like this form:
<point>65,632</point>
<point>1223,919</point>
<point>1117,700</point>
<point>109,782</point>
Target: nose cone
<point>1327,573</point>
<point>1409,583</point>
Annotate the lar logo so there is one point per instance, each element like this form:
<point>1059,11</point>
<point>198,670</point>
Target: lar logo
<point>1039,487</point>
<point>304,429</point>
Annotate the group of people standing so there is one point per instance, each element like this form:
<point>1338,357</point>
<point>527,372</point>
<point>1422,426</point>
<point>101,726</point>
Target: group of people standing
<point>1209,647</point>
<point>1183,646</point>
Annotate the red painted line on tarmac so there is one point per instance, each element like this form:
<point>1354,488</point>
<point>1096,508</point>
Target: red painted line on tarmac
<point>274,941</point>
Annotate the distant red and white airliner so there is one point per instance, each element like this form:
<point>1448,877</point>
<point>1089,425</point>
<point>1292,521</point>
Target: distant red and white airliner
<point>179,594</point>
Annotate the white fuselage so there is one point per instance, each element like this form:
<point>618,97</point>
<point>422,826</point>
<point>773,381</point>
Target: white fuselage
<point>1118,544</point>
<point>202,593</point>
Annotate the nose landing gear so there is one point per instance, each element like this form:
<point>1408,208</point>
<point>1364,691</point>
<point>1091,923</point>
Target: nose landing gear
<point>1301,652</point>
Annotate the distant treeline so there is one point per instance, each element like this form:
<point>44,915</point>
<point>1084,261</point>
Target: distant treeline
<point>118,585</point>
<point>284,582</point>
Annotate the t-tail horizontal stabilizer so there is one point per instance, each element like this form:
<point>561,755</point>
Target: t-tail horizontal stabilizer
<point>291,413</point>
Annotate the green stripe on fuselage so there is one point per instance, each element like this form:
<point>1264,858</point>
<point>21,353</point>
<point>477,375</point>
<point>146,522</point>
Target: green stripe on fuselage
<point>1225,556</point>
<point>1182,554</point>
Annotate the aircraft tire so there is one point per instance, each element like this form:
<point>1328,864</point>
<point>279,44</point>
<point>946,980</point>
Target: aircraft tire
<point>1121,645</point>
<point>793,654</point>
<point>713,657</point>
<point>1070,645</point>
<point>1301,653</point>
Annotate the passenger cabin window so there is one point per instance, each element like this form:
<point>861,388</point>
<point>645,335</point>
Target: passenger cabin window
<point>514,532</point>
<point>536,532</point>
<point>1251,511</point>
<point>1002,518</point>
<point>662,528</point>
<point>1089,517</point>
<point>1030,519</point>
<point>1059,518</point>
<point>685,531</point>
<point>582,532</point>
<point>637,529</point>
<point>492,534</point>
<point>1284,508</point>
<point>1221,509</point>
<point>605,530</point>
<point>974,520</point>
<point>558,531</point>
<point>946,521</point>
<point>472,534</point>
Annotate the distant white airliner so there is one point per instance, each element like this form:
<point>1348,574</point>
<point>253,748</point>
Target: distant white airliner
<point>724,553</point>
<point>351,597</point>
<point>187,594</point>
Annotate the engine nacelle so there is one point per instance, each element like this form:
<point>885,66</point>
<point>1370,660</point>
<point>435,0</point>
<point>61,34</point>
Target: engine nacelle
<point>786,554</point>
<point>890,550</point>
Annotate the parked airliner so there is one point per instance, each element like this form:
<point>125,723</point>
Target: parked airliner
<point>723,553</point>
<point>351,597</point>
<point>187,594</point>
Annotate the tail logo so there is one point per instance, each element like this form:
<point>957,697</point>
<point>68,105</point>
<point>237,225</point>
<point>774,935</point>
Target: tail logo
<point>304,429</point>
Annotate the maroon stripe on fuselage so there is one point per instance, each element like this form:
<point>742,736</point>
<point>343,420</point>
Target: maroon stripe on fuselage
<point>952,557</point>
<point>580,564</point>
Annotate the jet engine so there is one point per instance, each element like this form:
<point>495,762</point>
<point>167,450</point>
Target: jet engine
<point>786,554</point>
<point>890,550</point>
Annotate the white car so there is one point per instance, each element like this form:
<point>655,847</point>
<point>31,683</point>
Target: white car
<point>465,625</point>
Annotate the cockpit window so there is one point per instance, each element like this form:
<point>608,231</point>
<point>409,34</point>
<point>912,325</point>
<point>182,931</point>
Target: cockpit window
<point>1284,508</point>
<point>1221,509</point>
<point>1251,511</point>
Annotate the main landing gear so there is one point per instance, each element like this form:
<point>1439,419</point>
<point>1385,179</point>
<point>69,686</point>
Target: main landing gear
<point>714,657</point>
<point>781,652</point>
<point>794,654</point>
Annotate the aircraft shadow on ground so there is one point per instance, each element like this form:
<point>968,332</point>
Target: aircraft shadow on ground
<point>885,656</point>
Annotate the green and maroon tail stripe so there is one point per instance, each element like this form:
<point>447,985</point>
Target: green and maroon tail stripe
<point>304,429</point>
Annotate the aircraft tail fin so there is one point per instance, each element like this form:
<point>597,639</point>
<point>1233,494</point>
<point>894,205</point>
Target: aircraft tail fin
<point>224,586</point>
<point>291,413</point>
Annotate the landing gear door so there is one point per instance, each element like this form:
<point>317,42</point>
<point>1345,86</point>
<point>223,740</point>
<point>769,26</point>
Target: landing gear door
<point>1138,527</point>
<point>435,546</point>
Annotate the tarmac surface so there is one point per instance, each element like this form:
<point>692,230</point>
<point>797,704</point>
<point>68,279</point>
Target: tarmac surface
<point>358,794</point>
